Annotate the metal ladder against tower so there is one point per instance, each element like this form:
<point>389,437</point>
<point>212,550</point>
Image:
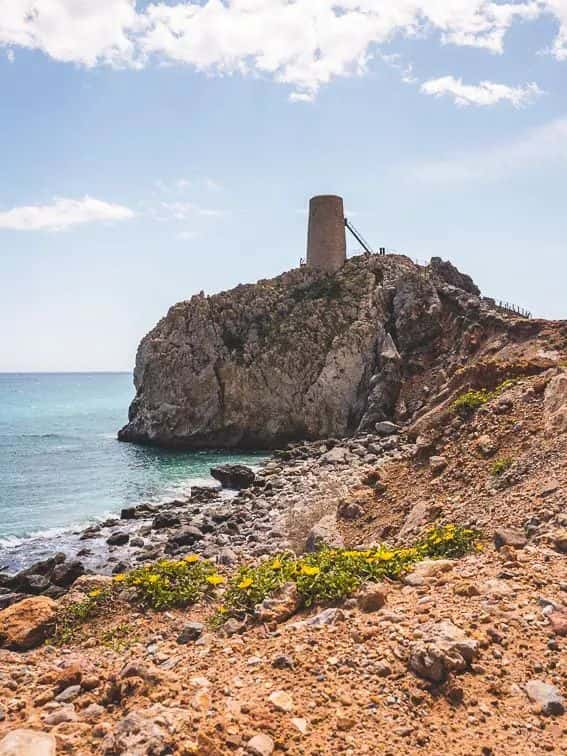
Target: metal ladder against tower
<point>358,236</point>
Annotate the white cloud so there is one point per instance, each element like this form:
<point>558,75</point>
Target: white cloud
<point>187,235</point>
<point>302,43</point>
<point>62,214</point>
<point>483,94</point>
<point>542,145</point>
<point>11,55</point>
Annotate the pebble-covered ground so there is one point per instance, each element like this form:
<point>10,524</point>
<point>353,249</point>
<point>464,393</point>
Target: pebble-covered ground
<point>463,656</point>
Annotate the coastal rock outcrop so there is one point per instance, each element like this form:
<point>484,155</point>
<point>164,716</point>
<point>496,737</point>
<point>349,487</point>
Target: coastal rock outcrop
<point>306,355</point>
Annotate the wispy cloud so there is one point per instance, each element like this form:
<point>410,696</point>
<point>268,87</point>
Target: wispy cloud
<point>544,144</point>
<point>484,94</point>
<point>62,214</point>
<point>181,211</point>
<point>304,44</point>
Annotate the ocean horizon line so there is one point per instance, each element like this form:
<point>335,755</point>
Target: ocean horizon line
<point>66,372</point>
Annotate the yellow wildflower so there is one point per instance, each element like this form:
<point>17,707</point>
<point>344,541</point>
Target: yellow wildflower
<point>216,579</point>
<point>153,579</point>
<point>120,578</point>
<point>95,593</point>
<point>310,571</point>
<point>276,564</point>
<point>246,583</point>
<point>191,558</point>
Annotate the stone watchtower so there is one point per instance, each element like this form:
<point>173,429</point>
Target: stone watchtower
<point>326,238</point>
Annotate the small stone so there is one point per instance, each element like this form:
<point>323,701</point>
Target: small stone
<point>350,510</point>
<point>558,622</point>
<point>25,742</point>
<point>281,701</point>
<point>383,669</point>
<point>66,573</point>
<point>165,520</point>
<point>118,539</point>
<point>427,571</point>
<point>546,697</point>
<point>302,725</point>
<point>191,631</point>
<point>336,456</point>
<point>135,669</point>
<point>68,694</point>
<point>345,723</point>
<point>560,541</point>
<point>92,713</point>
<point>324,618</point>
<point>282,661</point>
<point>371,597</point>
<point>466,588</point>
<point>386,428</point>
<point>261,745</point>
<point>486,446</point>
<point>281,606</point>
<point>227,557</point>
<point>437,464</point>
<point>64,714</point>
<point>186,536</point>
<point>64,678</point>
<point>510,537</point>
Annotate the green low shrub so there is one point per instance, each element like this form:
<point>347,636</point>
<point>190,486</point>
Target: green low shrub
<point>333,574</point>
<point>469,402</point>
<point>171,582</point>
<point>501,465</point>
<point>327,575</point>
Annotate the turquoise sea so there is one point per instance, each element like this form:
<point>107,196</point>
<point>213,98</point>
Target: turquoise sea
<point>61,466</point>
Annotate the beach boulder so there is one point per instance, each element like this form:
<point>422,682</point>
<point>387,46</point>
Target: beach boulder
<point>234,476</point>
<point>27,624</point>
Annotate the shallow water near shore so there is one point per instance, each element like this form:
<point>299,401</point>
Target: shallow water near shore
<point>61,466</point>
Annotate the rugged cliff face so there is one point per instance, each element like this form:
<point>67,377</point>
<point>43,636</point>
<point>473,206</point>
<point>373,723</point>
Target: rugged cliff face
<point>306,355</point>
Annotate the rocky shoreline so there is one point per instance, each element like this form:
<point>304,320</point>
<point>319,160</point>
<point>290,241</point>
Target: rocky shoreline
<point>251,512</point>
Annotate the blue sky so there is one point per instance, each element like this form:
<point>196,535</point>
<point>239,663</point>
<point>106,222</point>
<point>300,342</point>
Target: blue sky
<point>148,152</point>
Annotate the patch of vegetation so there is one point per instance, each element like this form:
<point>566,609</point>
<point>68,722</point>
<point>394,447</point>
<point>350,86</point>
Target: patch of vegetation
<point>119,638</point>
<point>466,404</point>
<point>172,583</point>
<point>327,575</point>
<point>469,402</point>
<point>73,616</point>
<point>501,465</point>
<point>332,574</point>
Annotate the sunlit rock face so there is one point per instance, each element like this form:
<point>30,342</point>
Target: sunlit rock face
<point>306,355</point>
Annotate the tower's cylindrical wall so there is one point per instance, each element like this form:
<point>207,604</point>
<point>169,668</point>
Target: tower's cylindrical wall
<point>326,237</point>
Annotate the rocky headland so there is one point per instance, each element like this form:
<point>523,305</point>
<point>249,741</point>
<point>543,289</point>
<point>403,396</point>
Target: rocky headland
<point>395,399</point>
